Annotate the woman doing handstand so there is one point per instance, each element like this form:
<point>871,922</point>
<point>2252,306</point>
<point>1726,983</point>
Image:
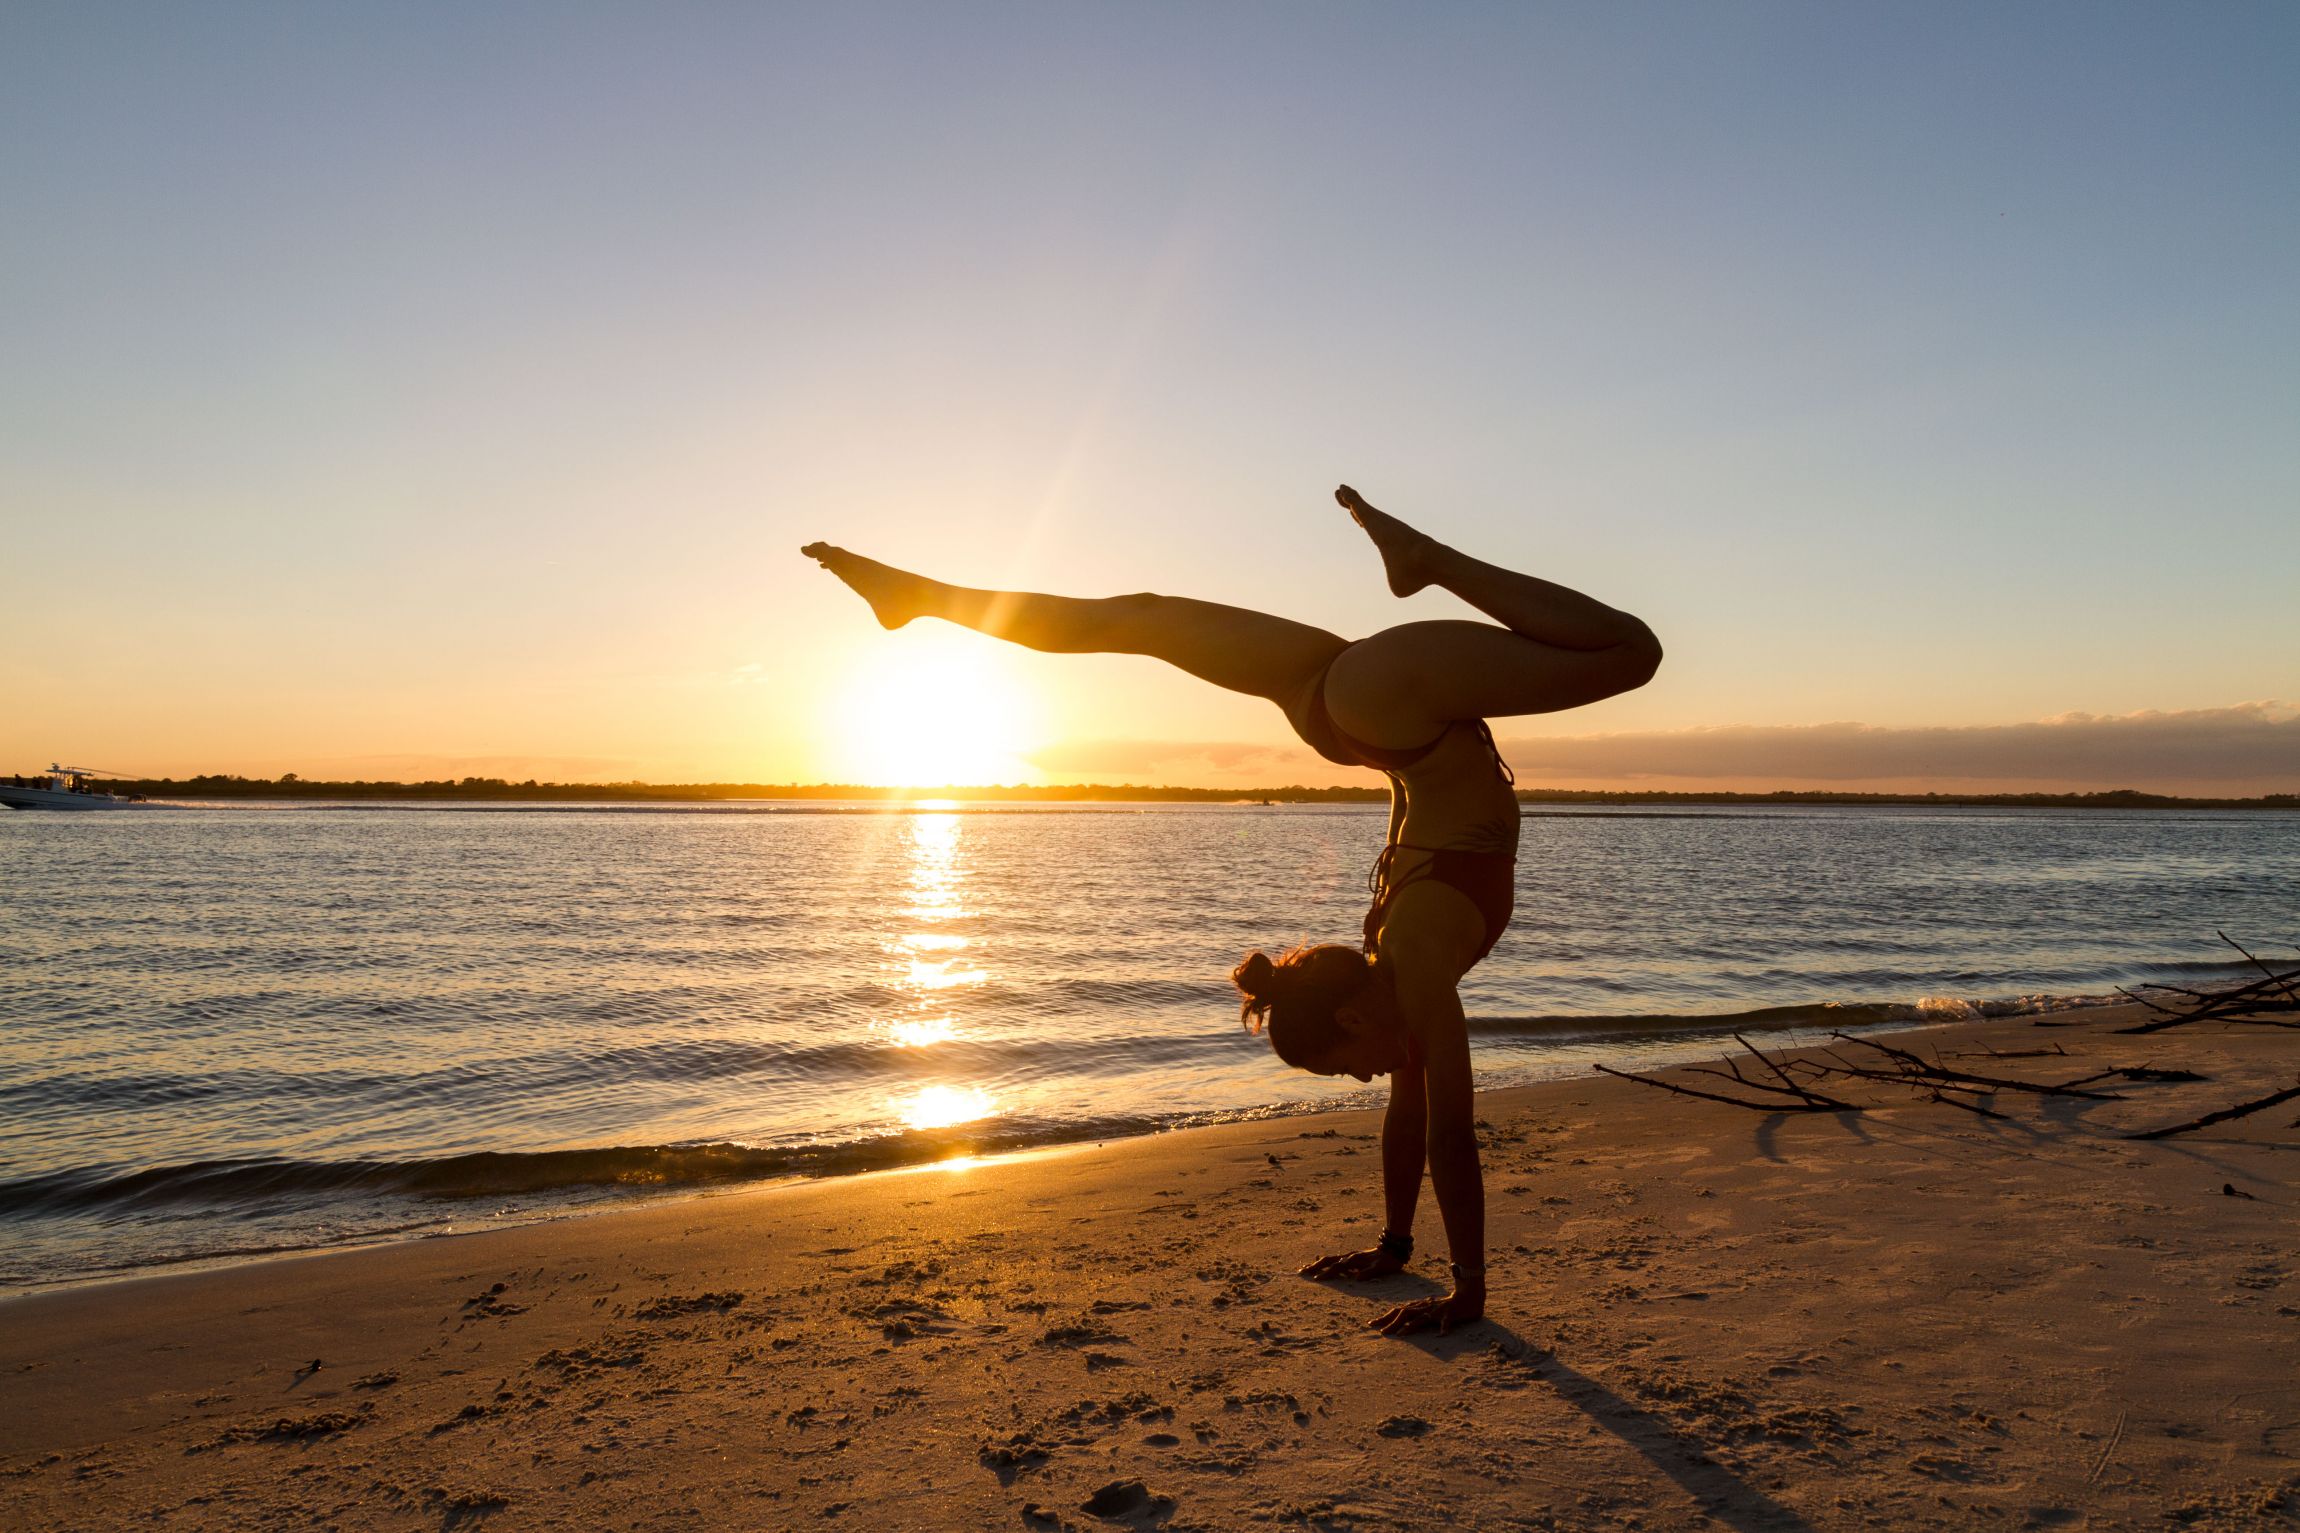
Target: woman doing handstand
<point>1410,702</point>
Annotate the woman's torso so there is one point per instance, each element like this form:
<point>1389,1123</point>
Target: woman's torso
<point>1456,797</point>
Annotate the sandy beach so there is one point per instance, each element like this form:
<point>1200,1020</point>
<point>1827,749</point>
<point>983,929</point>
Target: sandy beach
<point>1703,1316</point>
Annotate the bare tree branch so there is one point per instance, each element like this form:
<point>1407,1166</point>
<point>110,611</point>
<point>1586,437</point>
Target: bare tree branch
<point>1931,1072</point>
<point>2279,979</point>
<point>1708,1096</point>
<point>2241,1109</point>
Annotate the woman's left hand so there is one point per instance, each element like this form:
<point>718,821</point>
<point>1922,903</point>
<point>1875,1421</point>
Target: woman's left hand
<point>1442,1315</point>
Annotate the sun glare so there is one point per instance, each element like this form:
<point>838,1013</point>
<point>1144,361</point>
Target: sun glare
<point>944,1106</point>
<point>924,1033</point>
<point>930,714</point>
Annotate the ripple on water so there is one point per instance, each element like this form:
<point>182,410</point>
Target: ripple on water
<point>301,996</point>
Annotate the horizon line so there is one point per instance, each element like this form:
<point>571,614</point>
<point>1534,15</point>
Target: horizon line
<point>293,785</point>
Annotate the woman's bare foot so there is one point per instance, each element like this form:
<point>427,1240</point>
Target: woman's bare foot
<point>895,596</point>
<point>1406,554</point>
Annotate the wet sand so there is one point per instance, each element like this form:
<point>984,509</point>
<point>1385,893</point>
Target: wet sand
<point>1912,1317</point>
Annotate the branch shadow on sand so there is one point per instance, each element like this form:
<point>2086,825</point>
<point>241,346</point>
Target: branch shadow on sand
<point>1719,1492</point>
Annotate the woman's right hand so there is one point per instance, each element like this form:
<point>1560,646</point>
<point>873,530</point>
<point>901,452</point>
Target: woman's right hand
<point>1355,1264</point>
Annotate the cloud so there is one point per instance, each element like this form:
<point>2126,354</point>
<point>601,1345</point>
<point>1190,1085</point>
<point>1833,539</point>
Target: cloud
<point>2241,751</point>
<point>2248,749</point>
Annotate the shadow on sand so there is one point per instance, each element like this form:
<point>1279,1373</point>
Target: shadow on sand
<point>1714,1488</point>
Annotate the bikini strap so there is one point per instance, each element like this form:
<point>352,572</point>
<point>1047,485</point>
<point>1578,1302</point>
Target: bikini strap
<point>1485,733</point>
<point>1378,881</point>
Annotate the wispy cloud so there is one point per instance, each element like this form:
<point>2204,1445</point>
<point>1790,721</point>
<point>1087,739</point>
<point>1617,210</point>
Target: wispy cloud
<point>2247,749</point>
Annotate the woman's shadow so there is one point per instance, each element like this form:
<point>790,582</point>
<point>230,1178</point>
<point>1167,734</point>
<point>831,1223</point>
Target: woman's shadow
<point>1716,1489</point>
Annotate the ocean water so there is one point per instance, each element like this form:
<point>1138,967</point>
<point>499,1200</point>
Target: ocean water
<point>234,1030</point>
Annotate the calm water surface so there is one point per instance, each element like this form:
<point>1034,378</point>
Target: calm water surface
<point>244,1029</point>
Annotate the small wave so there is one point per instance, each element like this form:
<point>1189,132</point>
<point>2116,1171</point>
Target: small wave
<point>2206,968</point>
<point>502,1174</point>
<point>1833,1014</point>
<point>1826,1015</point>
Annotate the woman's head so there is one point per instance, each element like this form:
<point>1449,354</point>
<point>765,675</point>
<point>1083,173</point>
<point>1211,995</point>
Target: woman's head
<point>1322,1007</point>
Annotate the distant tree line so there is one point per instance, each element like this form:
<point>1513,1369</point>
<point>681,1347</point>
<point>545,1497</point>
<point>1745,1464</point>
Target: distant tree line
<point>291,786</point>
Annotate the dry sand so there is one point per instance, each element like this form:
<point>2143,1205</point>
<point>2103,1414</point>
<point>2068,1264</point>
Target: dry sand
<point>1702,1317</point>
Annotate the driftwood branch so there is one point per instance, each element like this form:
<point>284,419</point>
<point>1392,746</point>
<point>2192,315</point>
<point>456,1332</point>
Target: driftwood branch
<point>2277,979</point>
<point>1793,1084</point>
<point>1940,1095</point>
<point>2159,1009</point>
<point>1783,1085</point>
<point>1778,1073</point>
<point>2241,1109</point>
<point>1707,1096</point>
<point>2243,1004</point>
<point>1988,1053</point>
<point>1932,1073</point>
<point>1732,1073</point>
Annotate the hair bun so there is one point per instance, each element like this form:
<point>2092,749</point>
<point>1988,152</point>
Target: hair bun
<point>1257,977</point>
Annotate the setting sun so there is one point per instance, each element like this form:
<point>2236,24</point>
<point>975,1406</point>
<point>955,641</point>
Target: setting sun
<point>934,711</point>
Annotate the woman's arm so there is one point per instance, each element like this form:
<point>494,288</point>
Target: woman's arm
<point>1425,977</point>
<point>1403,1129</point>
<point>1455,1174</point>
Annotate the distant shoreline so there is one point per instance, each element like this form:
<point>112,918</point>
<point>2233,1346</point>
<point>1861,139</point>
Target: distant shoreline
<point>495,789</point>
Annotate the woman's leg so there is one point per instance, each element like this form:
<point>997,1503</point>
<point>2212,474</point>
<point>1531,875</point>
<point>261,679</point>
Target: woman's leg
<point>1231,647</point>
<point>1540,609</point>
<point>1557,649</point>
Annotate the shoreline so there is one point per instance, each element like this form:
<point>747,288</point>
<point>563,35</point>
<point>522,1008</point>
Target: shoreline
<point>714,1168</point>
<point>1908,1317</point>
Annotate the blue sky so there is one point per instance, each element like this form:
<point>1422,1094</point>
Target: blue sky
<point>440,384</point>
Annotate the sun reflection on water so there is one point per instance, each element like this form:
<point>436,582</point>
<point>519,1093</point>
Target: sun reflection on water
<point>944,1106</point>
<point>922,1033</point>
<point>930,963</point>
<point>936,869</point>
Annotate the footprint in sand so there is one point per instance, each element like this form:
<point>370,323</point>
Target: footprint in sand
<point>1129,1501</point>
<point>1011,1459</point>
<point>1079,1336</point>
<point>675,1306</point>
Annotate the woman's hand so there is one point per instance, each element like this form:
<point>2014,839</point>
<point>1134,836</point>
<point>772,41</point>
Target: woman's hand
<point>1442,1315</point>
<point>1354,1264</point>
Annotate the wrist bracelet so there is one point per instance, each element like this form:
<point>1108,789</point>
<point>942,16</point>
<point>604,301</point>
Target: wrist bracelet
<point>1399,1246</point>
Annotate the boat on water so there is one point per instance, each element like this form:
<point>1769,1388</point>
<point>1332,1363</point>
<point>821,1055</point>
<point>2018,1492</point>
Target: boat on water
<point>67,788</point>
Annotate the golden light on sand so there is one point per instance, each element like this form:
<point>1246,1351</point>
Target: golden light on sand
<point>931,713</point>
<point>944,1106</point>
